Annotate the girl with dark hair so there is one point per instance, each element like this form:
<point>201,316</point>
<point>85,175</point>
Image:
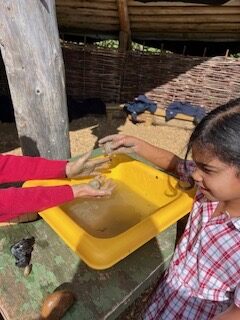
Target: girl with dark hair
<point>203,279</point>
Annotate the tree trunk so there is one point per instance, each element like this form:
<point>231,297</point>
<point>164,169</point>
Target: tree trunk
<point>31,51</point>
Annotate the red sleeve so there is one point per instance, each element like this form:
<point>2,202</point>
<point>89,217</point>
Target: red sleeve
<point>17,201</point>
<point>22,168</point>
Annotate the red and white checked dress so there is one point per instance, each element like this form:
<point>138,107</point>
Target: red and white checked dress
<point>203,278</point>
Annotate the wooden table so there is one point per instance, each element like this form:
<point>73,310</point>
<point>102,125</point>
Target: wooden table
<point>100,294</point>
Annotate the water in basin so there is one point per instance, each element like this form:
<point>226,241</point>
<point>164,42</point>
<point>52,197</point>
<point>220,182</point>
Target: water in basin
<point>105,218</point>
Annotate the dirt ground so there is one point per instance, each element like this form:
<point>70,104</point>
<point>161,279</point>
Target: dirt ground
<point>84,134</point>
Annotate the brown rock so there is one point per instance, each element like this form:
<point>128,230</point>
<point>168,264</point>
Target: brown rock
<point>56,304</point>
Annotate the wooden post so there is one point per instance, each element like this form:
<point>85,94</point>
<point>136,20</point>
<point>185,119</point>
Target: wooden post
<point>125,31</point>
<point>31,51</point>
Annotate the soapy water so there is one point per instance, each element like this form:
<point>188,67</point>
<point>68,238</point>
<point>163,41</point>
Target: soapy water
<point>105,218</point>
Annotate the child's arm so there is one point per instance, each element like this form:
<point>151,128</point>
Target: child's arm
<point>128,144</point>
<point>22,168</point>
<point>232,313</point>
<point>15,202</point>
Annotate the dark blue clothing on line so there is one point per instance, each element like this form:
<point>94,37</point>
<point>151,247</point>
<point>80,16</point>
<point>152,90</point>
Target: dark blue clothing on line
<point>197,112</point>
<point>140,104</point>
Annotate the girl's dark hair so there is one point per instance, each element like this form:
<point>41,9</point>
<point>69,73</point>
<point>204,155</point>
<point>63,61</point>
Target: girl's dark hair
<point>220,132</point>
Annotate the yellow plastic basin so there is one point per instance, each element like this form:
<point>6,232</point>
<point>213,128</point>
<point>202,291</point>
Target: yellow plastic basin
<point>104,231</point>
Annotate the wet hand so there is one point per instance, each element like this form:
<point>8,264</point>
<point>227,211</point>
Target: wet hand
<point>84,166</point>
<point>118,143</point>
<point>97,188</point>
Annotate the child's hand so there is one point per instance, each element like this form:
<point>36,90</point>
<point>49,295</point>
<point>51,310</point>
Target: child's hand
<point>89,190</point>
<point>85,166</point>
<point>118,143</point>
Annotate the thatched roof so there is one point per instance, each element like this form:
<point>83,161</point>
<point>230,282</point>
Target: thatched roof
<point>160,20</point>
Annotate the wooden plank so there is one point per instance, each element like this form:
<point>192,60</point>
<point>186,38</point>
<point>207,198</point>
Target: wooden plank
<point>76,19</point>
<point>81,12</point>
<point>223,31</point>
<point>105,17</point>
<point>79,2</point>
<point>87,4</point>
<point>194,27</point>
<point>193,35</point>
<point>134,3</point>
<point>184,19</point>
<point>140,9</point>
<point>191,10</point>
<point>84,27</point>
<point>33,59</point>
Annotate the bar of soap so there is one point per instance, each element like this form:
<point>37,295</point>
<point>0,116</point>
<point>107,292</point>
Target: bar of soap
<point>56,304</point>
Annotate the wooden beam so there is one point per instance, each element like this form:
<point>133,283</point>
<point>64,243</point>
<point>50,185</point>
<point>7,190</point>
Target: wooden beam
<point>226,3</point>
<point>31,51</point>
<point>125,31</point>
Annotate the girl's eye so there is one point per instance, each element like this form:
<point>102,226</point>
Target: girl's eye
<point>204,169</point>
<point>208,171</point>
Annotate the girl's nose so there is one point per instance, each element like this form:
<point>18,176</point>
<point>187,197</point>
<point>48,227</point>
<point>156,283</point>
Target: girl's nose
<point>196,175</point>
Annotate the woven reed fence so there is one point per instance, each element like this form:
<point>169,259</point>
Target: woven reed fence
<point>120,77</point>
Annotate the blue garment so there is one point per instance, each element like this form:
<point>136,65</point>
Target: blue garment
<point>185,108</point>
<point>140,104</point>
